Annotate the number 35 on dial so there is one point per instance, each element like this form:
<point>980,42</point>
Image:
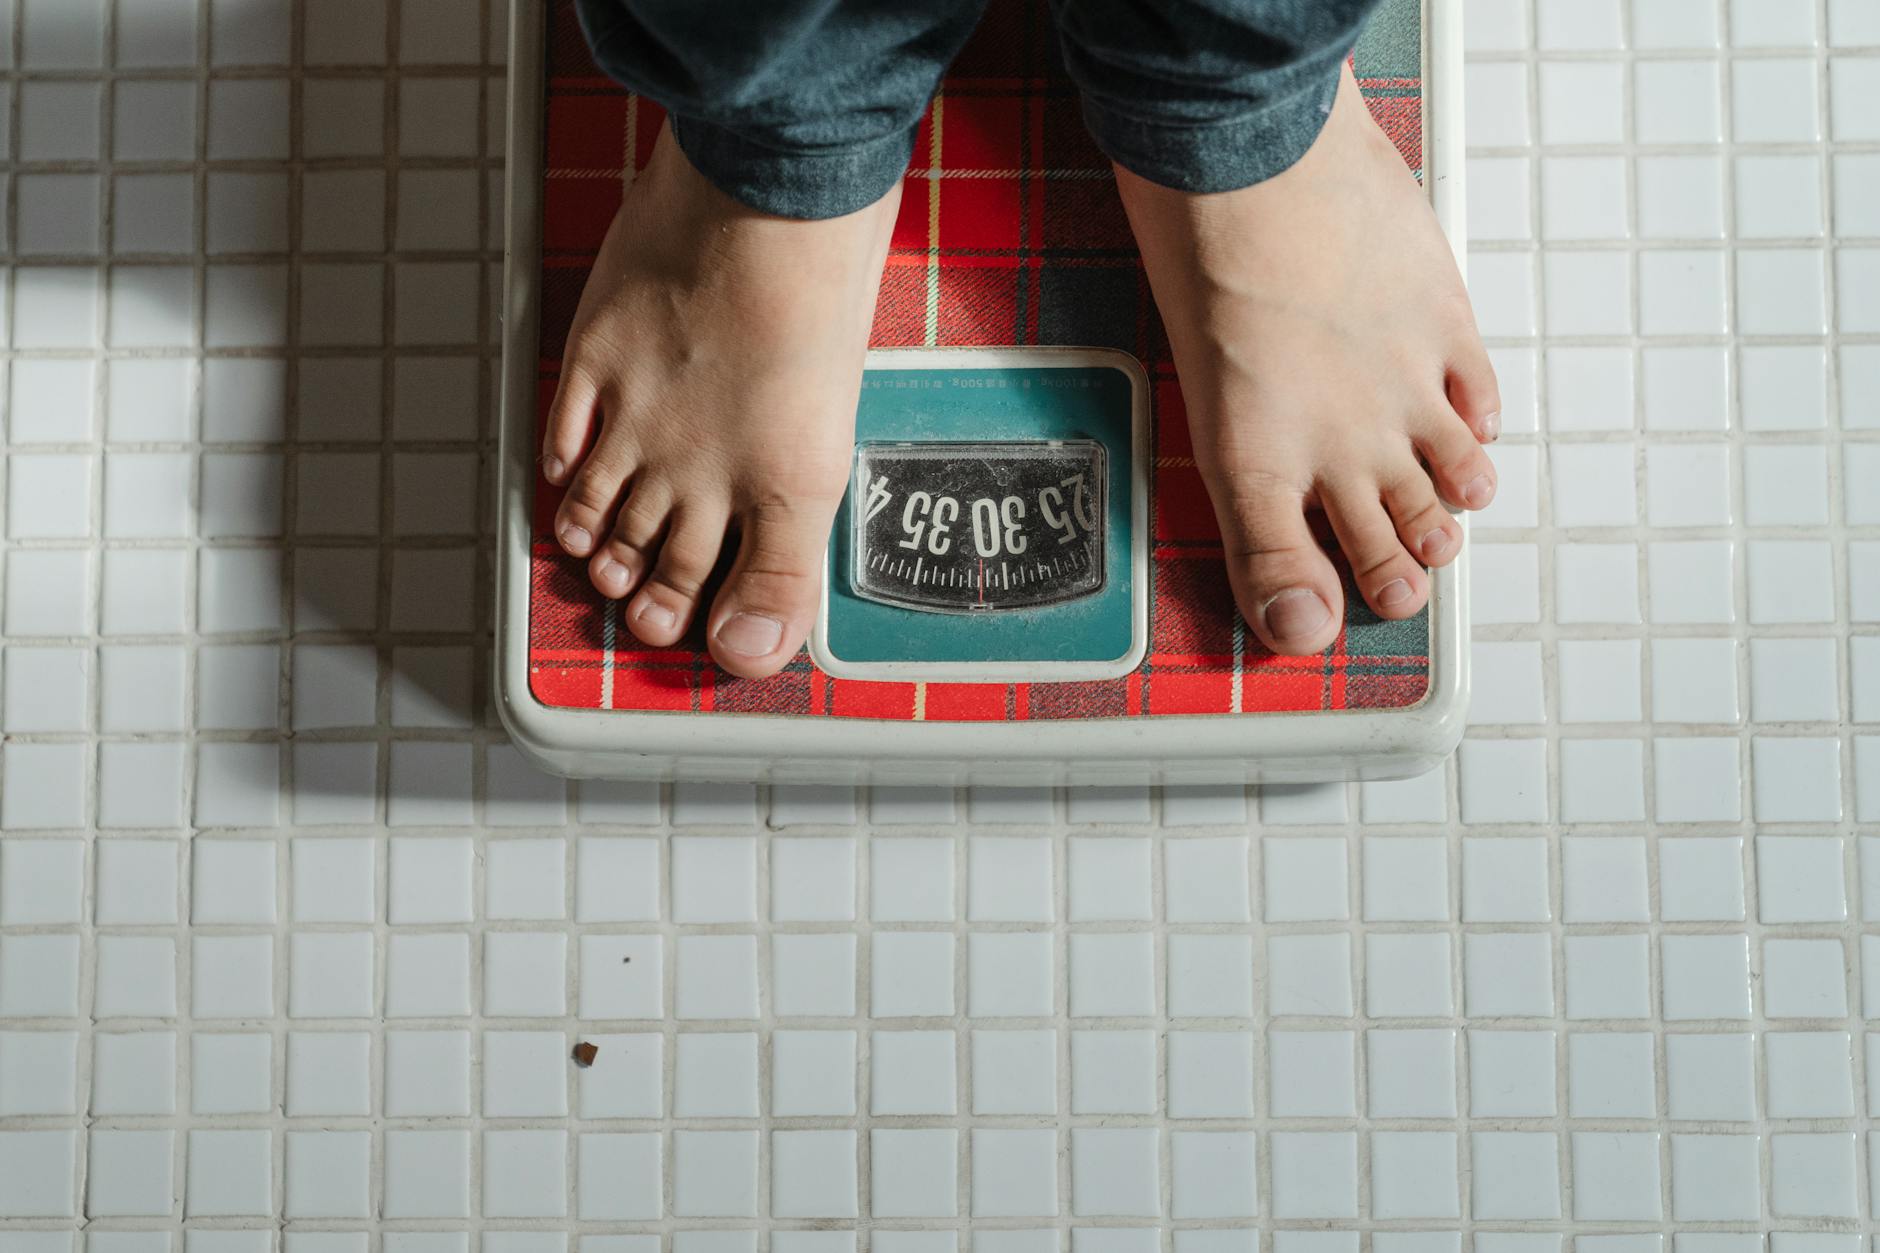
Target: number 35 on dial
<point>977,527</point>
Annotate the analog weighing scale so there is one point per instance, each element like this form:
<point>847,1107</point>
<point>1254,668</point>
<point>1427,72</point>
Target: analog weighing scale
<point>1025,583</point>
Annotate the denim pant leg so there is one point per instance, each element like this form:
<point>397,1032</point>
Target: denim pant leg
<point>801,108</point>
<point>1207,95</point>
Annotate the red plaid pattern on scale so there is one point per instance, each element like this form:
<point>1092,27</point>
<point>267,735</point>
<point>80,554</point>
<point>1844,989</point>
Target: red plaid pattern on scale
<point>1010,232</point>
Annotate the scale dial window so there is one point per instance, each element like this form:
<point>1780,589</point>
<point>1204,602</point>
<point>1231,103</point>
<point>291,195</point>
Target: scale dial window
<point>978,527</point>
<point>995,527</point>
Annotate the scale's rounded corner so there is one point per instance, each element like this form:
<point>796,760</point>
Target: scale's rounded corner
<point>1433,728</point>
<point>1131,661</point>
<point>819,653</point>
<point>531,724</point>
<point>1125,362</point>
<point>1420,737</point>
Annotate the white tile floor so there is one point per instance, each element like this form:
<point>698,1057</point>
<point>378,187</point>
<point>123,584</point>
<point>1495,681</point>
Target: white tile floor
<point>1605,978</point>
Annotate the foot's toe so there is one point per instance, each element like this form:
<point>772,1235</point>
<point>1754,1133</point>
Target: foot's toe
<point>1390,579</point>
<point>1423,525</point>
<point>764,613</point>
<point>572,417</point>
<point>1474,393</point>
<point>619,565</point>
<point>663,608</point>
<point>1462,471</point>
<point>614,569</point>
<point>587,511</point>
<point>1283,581</point>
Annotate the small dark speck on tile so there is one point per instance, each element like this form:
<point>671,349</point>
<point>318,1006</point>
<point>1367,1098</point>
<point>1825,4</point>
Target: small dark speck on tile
<point>585,1053</point>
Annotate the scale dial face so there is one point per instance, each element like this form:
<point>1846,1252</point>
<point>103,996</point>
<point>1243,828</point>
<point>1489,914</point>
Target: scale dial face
<point>957,527</point>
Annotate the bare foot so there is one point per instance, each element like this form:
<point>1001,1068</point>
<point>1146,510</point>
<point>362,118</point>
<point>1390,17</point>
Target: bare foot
<point>1329,359</point>
<point>718,351</point>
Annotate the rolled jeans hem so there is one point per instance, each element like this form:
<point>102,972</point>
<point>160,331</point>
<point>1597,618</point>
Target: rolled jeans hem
<point>1214,156</point>
<point>803,184</point>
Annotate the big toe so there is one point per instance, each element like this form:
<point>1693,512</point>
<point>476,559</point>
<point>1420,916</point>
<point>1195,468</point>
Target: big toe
<point>768,603</point>
<point>1282,580</point>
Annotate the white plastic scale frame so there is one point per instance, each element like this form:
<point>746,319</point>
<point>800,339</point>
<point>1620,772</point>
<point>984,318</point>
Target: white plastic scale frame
<point>1219,748</point>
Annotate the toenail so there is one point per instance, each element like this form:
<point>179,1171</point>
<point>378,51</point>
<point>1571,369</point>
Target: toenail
<point>657,616</point>
<point>1491,427</point>
<point>613,574</point>
<point>576,539</point>
<point>1477,491</point>
<point>752,634</point>
<point>1295,612</point>
<point>1433,544</point>
<point>552,467</point>
<point>1394,593</point>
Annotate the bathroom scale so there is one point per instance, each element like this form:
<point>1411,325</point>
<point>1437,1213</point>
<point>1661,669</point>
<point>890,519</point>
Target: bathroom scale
<point>1024,583</point>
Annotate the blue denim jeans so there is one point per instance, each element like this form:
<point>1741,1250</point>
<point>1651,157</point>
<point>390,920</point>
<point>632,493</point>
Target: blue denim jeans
<point>807,108</point>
